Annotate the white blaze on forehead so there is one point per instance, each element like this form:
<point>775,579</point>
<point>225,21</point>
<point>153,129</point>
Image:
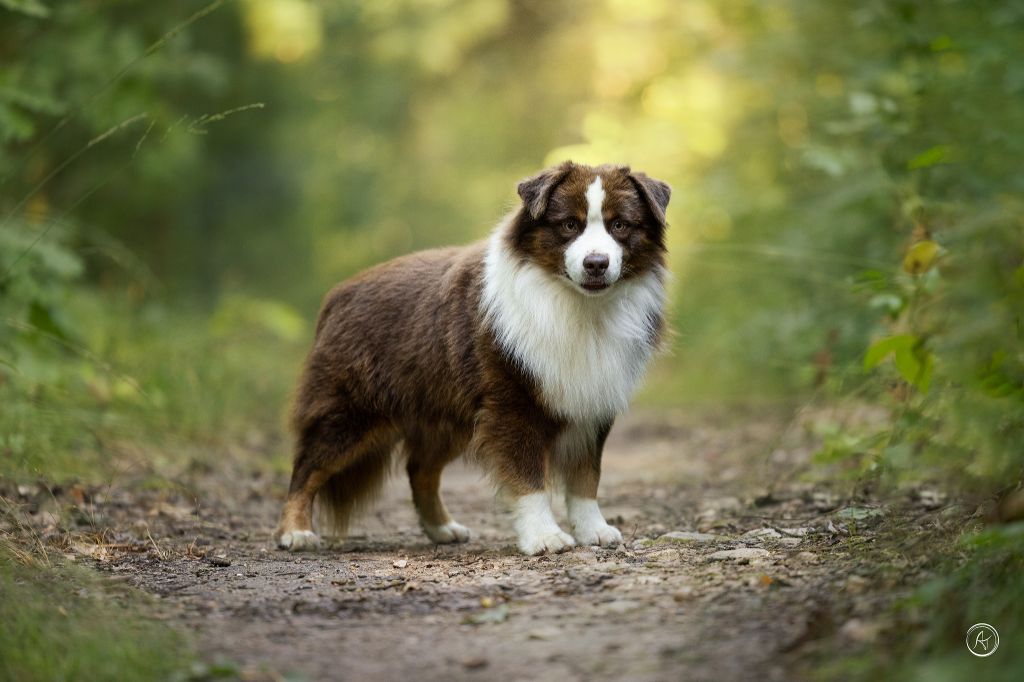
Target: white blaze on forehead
<point>594,239</point>
<point>595,202</point>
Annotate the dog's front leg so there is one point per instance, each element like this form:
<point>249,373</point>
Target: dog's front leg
<point>588,524</point>
<point>578,462</point>
<point>518,444</point>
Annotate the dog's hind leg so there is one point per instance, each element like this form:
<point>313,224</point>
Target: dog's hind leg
<point>339,460</point>
<point>428,455</point>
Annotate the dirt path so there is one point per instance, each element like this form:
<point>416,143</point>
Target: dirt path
<point>773,576</point>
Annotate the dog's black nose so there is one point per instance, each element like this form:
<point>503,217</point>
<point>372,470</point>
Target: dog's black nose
<point>595,264</point>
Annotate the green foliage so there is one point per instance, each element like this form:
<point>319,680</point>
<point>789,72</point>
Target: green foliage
<point>878,150</point>
<point>35,276</point>
<point>153,377</point>
<point>105,121</point>
<point>61,624</point>
<point>914,363</point>
<point>858,453</point>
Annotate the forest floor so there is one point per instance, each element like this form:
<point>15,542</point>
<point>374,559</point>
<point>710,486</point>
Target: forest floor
<point>735,566</point>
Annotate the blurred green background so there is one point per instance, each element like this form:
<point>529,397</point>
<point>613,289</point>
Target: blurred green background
<point>181,182</point>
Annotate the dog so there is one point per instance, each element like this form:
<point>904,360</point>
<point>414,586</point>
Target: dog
<point>518,351</point>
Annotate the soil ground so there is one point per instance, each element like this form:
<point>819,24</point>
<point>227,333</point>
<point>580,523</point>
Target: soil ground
<point>765,576</point>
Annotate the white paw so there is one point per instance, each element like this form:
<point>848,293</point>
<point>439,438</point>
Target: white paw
<point>447,533</point>
<point>549,543</point>
<point>536,528</point>
<point>603,535</point>
<point>298,540</point>
<point>588,524</point>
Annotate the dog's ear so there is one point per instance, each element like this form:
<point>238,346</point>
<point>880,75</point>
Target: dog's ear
<point>536,191</point>
<point>655,194</point>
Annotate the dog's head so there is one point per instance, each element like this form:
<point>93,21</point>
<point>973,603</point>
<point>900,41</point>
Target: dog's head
<point>592,226</point>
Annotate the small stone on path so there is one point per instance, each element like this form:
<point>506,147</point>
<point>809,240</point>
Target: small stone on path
<point>761,534</point>
<point>221,561</point>
<point>685,536</point>
<point>741,554</point>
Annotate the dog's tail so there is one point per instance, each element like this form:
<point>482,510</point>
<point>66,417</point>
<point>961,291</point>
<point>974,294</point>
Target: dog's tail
<point>330,439</point>
<point>352,490</point>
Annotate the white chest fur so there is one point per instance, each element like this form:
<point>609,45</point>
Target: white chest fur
<point>587,353</point>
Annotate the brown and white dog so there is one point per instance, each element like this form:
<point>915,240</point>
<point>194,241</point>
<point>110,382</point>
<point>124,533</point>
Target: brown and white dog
<point>519,351</point>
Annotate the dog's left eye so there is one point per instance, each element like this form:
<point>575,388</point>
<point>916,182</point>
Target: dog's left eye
<point>620,228</point>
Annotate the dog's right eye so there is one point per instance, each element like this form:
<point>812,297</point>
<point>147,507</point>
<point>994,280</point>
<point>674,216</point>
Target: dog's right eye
<point>571,226</point>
